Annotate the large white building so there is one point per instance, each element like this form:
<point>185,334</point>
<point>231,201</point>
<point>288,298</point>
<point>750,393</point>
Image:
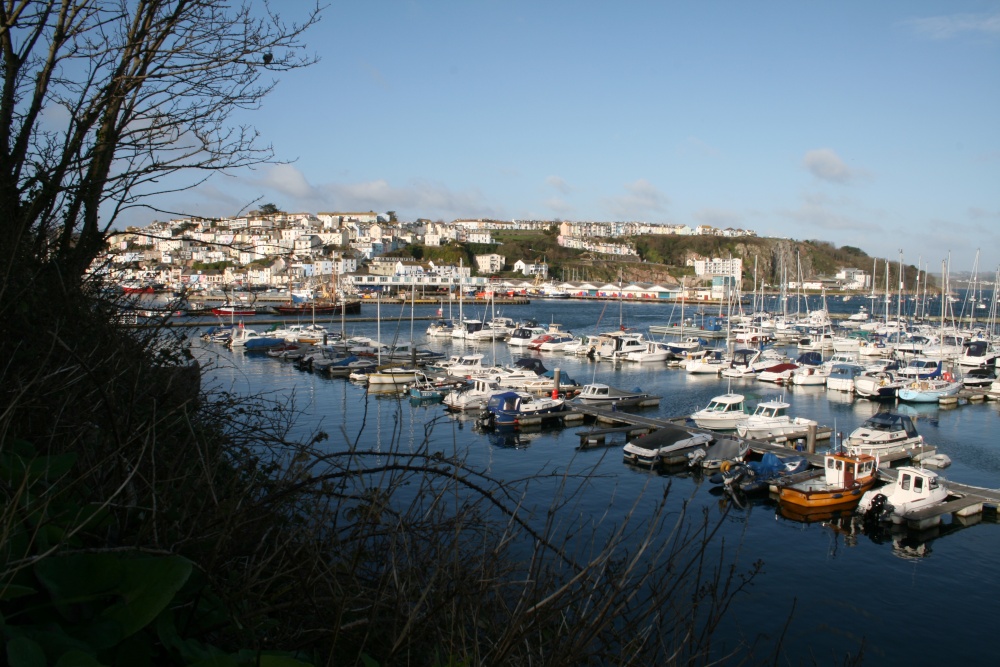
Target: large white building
<point>732,267</point>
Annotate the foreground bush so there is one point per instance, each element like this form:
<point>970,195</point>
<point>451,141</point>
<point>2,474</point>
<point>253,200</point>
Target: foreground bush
<point>150,521</point>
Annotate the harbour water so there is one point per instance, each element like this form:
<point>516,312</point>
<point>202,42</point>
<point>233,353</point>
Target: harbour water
<point>908,599</point>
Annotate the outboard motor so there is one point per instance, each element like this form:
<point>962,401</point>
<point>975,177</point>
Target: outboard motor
<point>879,509</point>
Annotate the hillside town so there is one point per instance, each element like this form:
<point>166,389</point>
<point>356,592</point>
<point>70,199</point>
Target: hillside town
<point>355,253</point>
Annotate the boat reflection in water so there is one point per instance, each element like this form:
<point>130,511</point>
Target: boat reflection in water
<point>508,437</point>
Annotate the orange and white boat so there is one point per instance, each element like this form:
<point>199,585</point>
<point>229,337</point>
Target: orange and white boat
<point>841,483</point>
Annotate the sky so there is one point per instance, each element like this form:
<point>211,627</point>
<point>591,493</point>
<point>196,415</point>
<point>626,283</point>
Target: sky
<point>868,124</point>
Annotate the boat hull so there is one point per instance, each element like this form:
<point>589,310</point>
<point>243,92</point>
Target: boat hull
<point>818,498</point>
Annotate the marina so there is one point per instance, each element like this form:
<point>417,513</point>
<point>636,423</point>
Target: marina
<point>933,551</point>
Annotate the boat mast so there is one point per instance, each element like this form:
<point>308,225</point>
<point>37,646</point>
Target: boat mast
<point>899,301</point>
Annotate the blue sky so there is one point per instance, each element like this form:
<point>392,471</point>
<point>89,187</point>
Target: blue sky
<point>875,125</point>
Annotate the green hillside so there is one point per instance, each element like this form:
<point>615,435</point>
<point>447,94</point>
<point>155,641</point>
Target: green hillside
<point>665,258</point>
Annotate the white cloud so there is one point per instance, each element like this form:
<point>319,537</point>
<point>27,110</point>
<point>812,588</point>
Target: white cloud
<point>642,199</point>
<point>946,27</point>
<point>559,185</point>
<point>288,180</point>
<point>826,165</point>
<point>419,198</point>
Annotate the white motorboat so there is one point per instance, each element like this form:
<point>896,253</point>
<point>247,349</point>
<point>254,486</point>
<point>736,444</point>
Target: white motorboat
<point>463,365</point>
<point>722,412</point>
<point>805,376</point>
<point>655,351</point>
<point>884,433</point>
<point>771,419</point>
<point>842,376</point>
<point>707,362</point>
<point>556,341</point>
<point>473,396</point>
<point>523,335</point>
<point>914,489</point>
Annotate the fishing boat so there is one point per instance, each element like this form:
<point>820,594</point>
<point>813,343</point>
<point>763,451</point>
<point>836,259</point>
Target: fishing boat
<point>913,490</point>
<point>666,442</point>
<point>840,484</point>
<point>884,433</point>
<point>723,412</point>
<point>771,419</point>
<point>509,407</point>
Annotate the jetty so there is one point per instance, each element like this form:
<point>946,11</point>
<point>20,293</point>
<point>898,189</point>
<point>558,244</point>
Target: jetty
<point>965,503</point>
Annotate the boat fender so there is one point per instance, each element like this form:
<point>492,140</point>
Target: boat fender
<point>726,465</point>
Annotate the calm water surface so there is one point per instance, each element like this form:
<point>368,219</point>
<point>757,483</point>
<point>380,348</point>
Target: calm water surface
<point>915,599</point>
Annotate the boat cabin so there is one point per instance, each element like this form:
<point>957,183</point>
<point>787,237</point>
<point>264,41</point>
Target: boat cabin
<point>728,404</point>
<point>921,368</point>
<point>771,409</point>
<point>887,426</point>
<point>843,471</point>
<point>916,481</point>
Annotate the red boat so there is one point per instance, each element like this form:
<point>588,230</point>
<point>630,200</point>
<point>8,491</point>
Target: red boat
<point>322,308</point>
<point>138,289</point>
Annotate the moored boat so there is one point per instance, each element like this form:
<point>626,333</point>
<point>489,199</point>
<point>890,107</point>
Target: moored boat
<point>914,489</point>
<point>770,419</point>
<point>666,442</point>
<point>509,407</point>
<point>757,476</point>
<point>723,412</point>
<point>930,390</point>
<point>840,484</point>
<point>602,394</point>
<point>884,433</point>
